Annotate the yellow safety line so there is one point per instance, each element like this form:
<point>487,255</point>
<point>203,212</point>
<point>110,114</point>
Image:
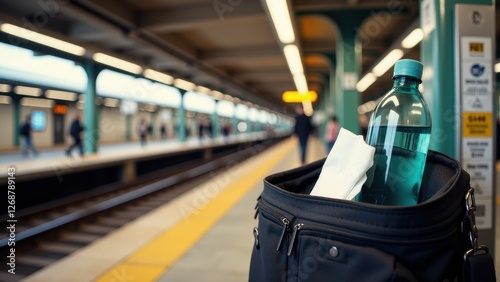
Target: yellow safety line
<point>149,263</point>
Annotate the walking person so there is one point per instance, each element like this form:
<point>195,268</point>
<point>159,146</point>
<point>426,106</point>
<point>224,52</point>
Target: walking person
<point>27,141</point>
<point>303,128</point>
<point>75,131</point>
<point>143,130</point>
<point>331,133</point>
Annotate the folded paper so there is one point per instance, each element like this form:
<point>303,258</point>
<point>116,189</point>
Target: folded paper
<point>344,170</point>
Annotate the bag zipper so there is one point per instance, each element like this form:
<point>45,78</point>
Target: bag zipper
<point>296,229</point>
<point>283,219</point>
<point>345,235</point>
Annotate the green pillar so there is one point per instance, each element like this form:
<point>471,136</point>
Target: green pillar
<point>348,66</point>
<point>16,117</point>
<point>91,134</point>
<point>128,127</point>
<point>438,55</point>
<point>235,123</point>
<point>181,123</point>
<point>154,130</point>
<point>215,122</point>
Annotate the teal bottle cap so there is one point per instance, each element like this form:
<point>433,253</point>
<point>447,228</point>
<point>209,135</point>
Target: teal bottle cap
<point>407,67</point>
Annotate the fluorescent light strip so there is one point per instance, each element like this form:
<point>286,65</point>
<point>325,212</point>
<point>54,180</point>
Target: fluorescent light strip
<point>5,88</point>
<point>497,67</point>
<point>5,99</point>
<point>111,102</point>
<point>413,38</point>
<point>387,62</point>
<point>203,89</point>
<point>28,91</point>
<point>43,39</point>
<point>158,76</point>
<point>60,95</point>
<point>184,84</point>
<point>300,83</point>
<point>293,59</point>
<point>35,102</point>
<point>365,82</point>
<point>117,63</point>
<point>218,95</point>
<point>281,20</point>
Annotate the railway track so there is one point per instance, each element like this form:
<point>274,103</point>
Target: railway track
<point>49,232</point>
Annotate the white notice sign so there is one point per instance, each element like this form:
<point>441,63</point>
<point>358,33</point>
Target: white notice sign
<point>481,173</point>
<point>477,149</point>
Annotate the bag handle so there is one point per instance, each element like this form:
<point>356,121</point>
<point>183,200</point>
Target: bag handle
<point>478,263</point>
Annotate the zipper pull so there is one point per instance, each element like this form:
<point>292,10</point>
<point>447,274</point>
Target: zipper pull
<point>256,212</point>
<point>283,232</point>
<point>296,229</point>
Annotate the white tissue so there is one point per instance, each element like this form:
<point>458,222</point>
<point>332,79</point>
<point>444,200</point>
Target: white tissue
<point>344,170</point>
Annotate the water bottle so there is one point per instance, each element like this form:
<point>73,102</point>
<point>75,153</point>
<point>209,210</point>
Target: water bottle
<point>400,130</point>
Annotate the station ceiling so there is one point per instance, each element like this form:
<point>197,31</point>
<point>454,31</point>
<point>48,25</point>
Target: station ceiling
<point>225,45</point>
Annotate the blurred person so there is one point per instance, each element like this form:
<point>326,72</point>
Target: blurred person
<point>27,144</point>
<point>143,129</point>
<point>331,133</point>
<point>302,129</point>
<point>75,131</point>
<point>163,131</point>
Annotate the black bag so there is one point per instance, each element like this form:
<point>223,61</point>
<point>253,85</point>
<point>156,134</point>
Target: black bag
<point>308,238</point>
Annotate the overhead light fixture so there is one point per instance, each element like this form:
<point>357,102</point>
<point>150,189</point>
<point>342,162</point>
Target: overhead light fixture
<point>293,59</point>
<point>117,63</point>
<point>218,95</point>
<point>42,39</point>
<point>387,62</point>
<point>308,109</point>
<point>497,67</point>
<point>60,95</point>
<point>184,84</point>
<point>282,21</point>
<point>203,89</point>
<point>5,99</point>
<point>365,82</point>
<point>301,83</point>
<point>158,76</point>
<point>413,38</point>
<point>35,102</point>
<point>28,91</point>
<point>5,88</point>
<point>111,102</point>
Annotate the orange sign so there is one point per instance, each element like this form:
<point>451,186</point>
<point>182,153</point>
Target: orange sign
<point>60,109</point>
<point>297,97</point>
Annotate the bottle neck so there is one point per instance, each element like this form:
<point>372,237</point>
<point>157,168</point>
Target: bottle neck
<point>406,81</point>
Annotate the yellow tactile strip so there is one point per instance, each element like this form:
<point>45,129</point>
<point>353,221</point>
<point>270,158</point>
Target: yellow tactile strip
<point>148,263</point>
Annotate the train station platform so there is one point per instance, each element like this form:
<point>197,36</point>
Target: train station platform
<point>203,235</point>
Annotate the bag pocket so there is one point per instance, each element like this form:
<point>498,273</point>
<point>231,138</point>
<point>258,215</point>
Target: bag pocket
<point>318,258</point>
<point>269,260</point>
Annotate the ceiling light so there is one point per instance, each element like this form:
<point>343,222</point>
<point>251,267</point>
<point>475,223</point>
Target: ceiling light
<point>300,83</point>
<point>42,39</point>
<point>413,38</point>
<point>202,89</point>
<point>158,76</point>
<point>184,84</point>
<point>497,67</point>
<point>5,88</point>
<point>365,82</point>
<point>280,16</point>
<point>308,109</point>
<point>60,95</point>
<point>35,102</point>
<point>218,95</point>
<point>111,102</point>
<point>387,62</point>
<point>293,59</point>
<point>5,99</point>
<point>28,91</point>
<point>117,63</point>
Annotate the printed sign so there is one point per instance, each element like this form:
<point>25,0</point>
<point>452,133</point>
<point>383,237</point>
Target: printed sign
<point>477,148</point>
<point>480,176</point>
<point>474,48</point>
<point>477,124</point>
<point>476,86</point>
